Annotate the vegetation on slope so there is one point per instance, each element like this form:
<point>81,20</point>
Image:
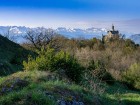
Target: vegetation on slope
<point>11,56</point>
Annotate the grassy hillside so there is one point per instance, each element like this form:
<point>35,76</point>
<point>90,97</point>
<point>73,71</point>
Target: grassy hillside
<point>44,88</point>
<point>11,56</point>
<point>79,72</point>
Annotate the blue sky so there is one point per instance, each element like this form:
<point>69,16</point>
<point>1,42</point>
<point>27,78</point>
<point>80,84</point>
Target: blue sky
<point>72,13</point>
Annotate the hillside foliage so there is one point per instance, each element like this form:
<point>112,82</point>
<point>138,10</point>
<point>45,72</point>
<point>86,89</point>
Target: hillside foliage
<point>89,71</point>
<point>108,60</point>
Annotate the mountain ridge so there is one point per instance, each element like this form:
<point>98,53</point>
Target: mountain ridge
<point>16,32</point>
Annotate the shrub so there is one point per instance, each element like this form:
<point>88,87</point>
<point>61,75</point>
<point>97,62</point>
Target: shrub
<point>131,76</point>
<point>98,70</point>
<point>56,61</point>
<point>44,61</point>
<point>30,65</point>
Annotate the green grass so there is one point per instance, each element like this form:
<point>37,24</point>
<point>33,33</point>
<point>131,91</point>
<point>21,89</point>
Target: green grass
<point>22,98</point>
<point>119,94</point>
<point>41,82</point>
<point>129,98</point>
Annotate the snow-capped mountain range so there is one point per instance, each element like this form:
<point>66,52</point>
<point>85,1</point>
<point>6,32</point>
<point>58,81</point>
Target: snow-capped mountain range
<point>84,33</point>
<point>17,32</point>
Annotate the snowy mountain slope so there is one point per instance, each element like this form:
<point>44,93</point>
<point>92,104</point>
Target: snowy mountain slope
<point>15,33</point>
<point>85,33</point>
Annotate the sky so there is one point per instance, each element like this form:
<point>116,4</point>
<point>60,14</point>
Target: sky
<point>124,14</point>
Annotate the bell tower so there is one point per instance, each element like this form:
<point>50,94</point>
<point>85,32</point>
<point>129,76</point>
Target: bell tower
<point>113,29</point>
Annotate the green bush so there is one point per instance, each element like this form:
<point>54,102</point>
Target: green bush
<point>56,61</point>
<point>5,68</point>
<point>98,70</point>
<point>132,75</point>
<point>30,65</point>
<point>44,61</point>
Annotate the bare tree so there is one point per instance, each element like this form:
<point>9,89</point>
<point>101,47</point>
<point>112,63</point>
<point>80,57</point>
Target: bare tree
<point>40,37</point>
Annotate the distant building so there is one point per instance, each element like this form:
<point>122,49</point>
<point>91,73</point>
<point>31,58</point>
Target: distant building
<point>111,34</point>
